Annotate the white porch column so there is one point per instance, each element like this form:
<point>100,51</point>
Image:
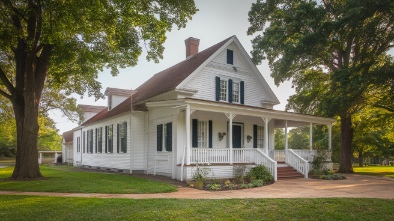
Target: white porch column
<point>286,137</point>
<point>329,136</point>
<point>40,159</point>
<point>188,146</point>
<point>230,116</point>
<point>266,121</point>
<point>55,161</point>
<point>310,136</point>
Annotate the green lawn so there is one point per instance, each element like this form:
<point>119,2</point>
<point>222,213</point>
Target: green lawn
<point>58,208</point>
<point>384,171</point>
<point>67,179</point>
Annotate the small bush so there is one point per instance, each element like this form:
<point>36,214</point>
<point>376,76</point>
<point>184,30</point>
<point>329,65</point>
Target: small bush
<point>260,172</point>
<point>214,186</point>
<point>239,173</point>
<point>257,183</point>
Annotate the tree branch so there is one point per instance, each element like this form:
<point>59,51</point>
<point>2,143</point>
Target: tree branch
<point>42,64</point>
<point>5,94</point>
<point>385,107</point>
<point>6,82</point>
<point>16,11</point>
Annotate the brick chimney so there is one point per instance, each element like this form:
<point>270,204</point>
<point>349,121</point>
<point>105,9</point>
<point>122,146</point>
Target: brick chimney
<point>191,46</point>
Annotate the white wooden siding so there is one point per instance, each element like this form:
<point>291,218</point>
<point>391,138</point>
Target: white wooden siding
<point>204,81</point>
<point>138,150</point>
<point>108,160</point>
<point>163,160</point>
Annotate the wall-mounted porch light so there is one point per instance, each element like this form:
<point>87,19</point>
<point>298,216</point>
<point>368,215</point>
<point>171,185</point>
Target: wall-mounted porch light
<point>248,138</point>
<point>221,135</point>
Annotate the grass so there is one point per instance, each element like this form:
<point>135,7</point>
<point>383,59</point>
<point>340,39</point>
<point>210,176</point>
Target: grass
<point>68,179</point>
<point>383,171</point>
<point>60,208</point>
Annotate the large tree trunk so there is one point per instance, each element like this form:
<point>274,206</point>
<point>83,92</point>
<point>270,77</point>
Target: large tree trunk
<point>26,116</point>
<point>345,165</point>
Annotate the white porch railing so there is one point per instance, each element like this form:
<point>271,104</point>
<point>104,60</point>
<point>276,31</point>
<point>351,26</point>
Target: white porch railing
<point>244,155</point>
<point>308,155</point>
<point>202,155</point>
<point>262,159</point>
<point>297,162</point>
<point>279,155</point>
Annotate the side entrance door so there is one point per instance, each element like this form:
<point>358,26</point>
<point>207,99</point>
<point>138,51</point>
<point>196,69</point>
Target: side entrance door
<point>237,136</point>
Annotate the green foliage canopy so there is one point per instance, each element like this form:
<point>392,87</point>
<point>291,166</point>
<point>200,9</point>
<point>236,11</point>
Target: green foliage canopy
<point>50,47</point>
<point>334,51</point>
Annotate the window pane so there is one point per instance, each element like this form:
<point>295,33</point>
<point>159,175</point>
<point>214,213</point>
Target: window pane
<point>223,90</point>
<point>235,92</point>
<point>260,136</point>
<point>203,134</point>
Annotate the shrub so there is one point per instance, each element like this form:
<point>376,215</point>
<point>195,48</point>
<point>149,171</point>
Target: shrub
<point>239,173</point>
<point>260,172</point>
<point>200,174</point>
<point>257,183</point>
<point>214,186</point>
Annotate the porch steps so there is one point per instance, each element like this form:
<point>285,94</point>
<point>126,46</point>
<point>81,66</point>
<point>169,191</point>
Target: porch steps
<point>287,172</point>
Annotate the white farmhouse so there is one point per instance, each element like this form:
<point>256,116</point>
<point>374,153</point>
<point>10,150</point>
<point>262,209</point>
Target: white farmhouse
<point>213,109</point>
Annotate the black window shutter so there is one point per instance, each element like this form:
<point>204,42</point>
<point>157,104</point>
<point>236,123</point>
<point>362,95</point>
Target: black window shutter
<point>230,91</point>
<point>83,142</point>
<point>217,85</point>
<point>169,137</point>
<point>91,141</point>
<point>230,55</point>
<point>124,141</point>
<point>210,133</point>
<point>118,138</point>
<point>194,133</point>
<point>112,139</point>
<point>254,136</point>
<point>106,139</point>
<point>242,92</point>
<point>160,137</point>
<point>95,141</point>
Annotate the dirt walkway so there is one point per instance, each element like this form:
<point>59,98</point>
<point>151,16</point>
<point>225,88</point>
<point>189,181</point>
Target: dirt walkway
<point>356,186</point>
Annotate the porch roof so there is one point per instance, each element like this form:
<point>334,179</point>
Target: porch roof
<point>293,119</point>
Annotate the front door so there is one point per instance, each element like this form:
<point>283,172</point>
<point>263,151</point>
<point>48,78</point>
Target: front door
<point>237,136</point>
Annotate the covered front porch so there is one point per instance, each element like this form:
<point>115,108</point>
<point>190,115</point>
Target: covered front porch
<point>211,142</point>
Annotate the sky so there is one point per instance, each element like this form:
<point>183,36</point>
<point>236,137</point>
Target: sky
<point>215,21</point>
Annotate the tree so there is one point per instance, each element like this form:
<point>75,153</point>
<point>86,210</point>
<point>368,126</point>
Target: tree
<point>67,43</point>
<point>279,139</point>
<point>335,52</point>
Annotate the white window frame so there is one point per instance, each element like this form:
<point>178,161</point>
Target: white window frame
<point>236,91</point>
<point>202,134</point>
<point>223,89</point>
<point>260,137</point>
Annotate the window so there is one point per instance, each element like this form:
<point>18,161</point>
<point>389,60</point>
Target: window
<point>164,137</point>
<point>223,90</point>
<point>122,138</point>
<point>258,133</point>
<point>99,140</point>
<point>230,55</point>
<point>229,90</point>
<point>89,148</point>
<point>109,139</point>
<point>235,92</point>
<point>201,133</point>
<point>78,144</point>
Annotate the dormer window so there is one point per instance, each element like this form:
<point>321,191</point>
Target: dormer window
<point>230,55</point>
